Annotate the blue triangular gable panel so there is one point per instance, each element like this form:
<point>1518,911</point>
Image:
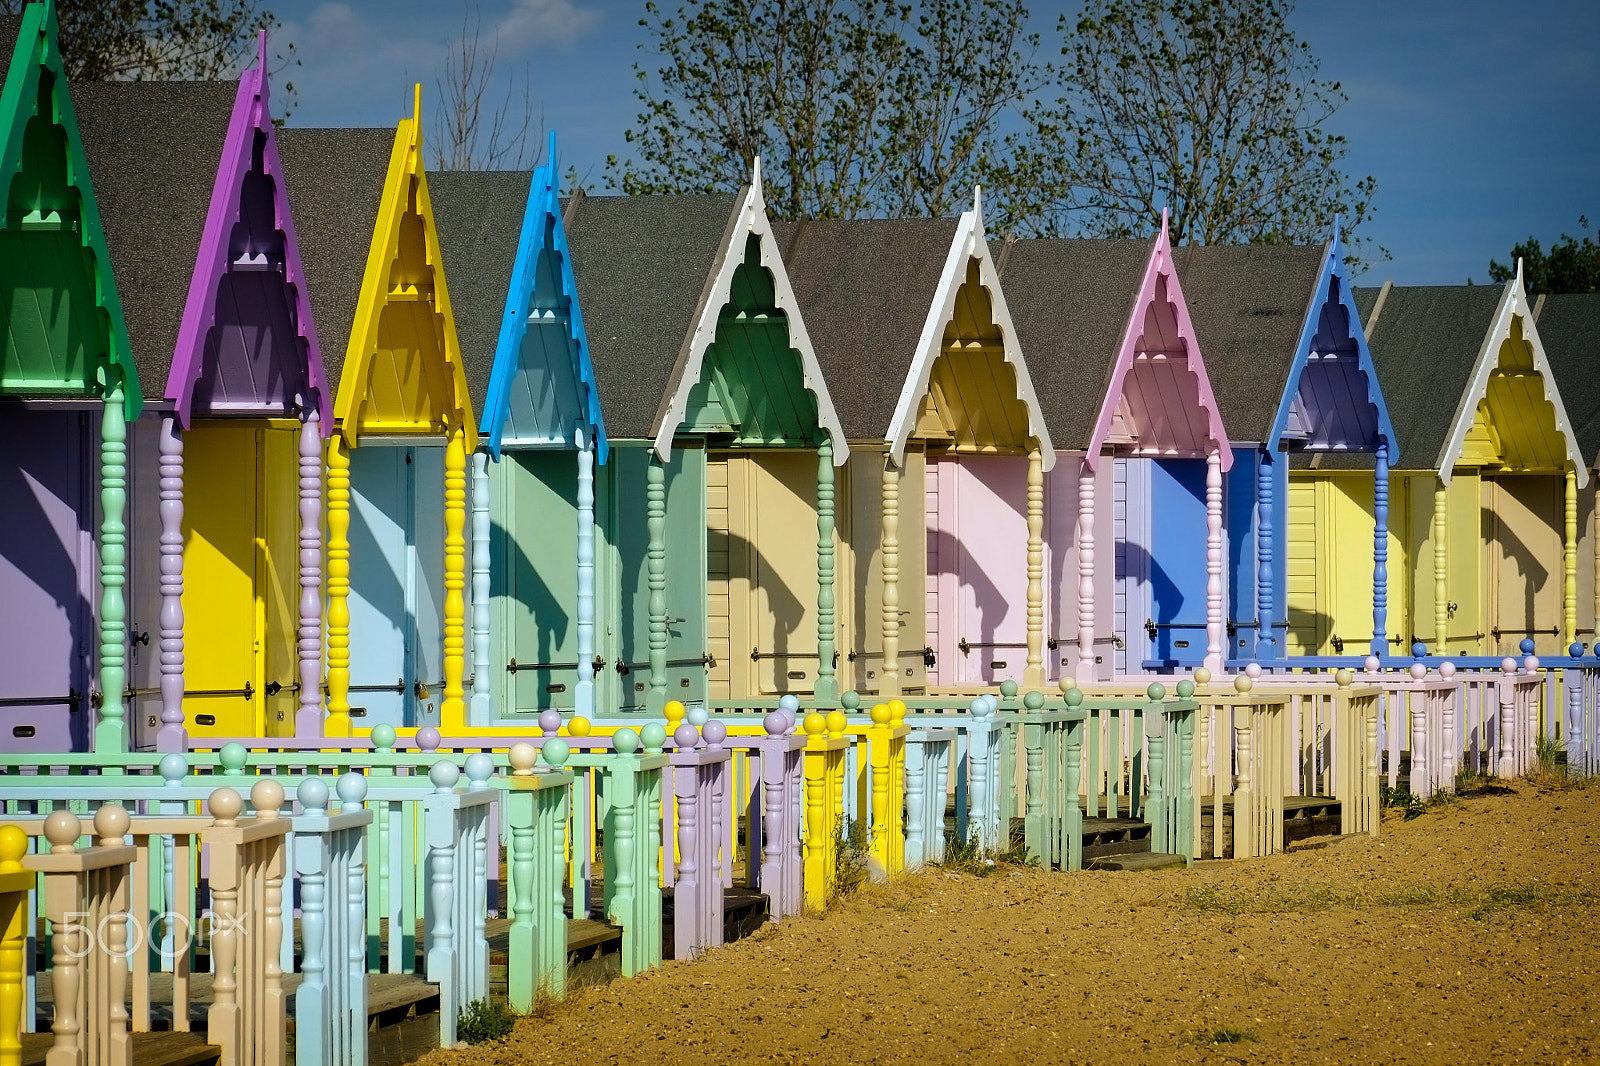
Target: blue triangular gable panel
<point>542,388</point>
<point>1332,400</point>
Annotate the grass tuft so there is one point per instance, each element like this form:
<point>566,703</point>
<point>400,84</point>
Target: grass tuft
<point>1222,1034</point>
<point>965,856</point>
<point>483,1021</point>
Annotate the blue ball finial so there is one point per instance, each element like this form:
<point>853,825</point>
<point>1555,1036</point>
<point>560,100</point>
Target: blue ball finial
<point>1526,645</point>
<point>172,767</point>
<point>1575,650</point>
<point>1419,649</point>
<point>352,789</point>
<point>480,768</point>
<point>789,703</point>
<point>444,774</point>
<point>313,795</point>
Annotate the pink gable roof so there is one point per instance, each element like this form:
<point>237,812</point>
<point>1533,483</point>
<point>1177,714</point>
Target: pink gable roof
<point>1159,402</point>
<point>247,343</point>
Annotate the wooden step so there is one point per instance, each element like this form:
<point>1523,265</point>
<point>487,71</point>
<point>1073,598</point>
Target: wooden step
<point>149,1049</point>
<point>1104,837</point>
<point>1144,860</point>
<point>1304,817</point>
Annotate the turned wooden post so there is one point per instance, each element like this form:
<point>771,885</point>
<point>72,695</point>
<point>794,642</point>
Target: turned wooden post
<point>172,736</point>
<point>110,736</point>
<point>1033,673</point>
<point>1214,617</point>
<point>889,680</point>
<point>1380,552</point>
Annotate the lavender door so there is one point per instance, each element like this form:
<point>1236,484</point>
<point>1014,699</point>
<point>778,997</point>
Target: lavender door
<point>978,567</point>
<point>46,579</point>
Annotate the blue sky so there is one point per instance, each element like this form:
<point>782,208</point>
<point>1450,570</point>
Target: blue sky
<point>1480,120</point>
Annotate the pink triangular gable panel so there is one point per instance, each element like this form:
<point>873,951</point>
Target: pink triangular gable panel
<point>1159,402</point>
<point>247,343</point>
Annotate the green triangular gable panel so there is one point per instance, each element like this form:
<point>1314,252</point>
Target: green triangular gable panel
<point>61,326</point>
<point>752,383</point>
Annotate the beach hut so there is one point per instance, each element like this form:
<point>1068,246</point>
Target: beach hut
<point>1492,468</point>
<point>1137,516</point>
<point>403,426</point>
<point>534,550</point>
<point>1308,539</point>
<point>720,491</point>
<point>225,582</point>
<point>68,389</point>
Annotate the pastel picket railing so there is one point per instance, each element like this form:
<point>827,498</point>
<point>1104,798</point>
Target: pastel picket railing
<point>16,941</point>
<point>330,846</point>
<point>457,945</point>
<point>930,754</point>
<point>698,811</point>
<point>1052,744</point>
<point>772,785</point>
<point>1580,698</point>
<point>824,781</point>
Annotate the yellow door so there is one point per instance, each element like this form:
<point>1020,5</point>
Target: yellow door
<point>1329,565</point>
<point>280,578</point>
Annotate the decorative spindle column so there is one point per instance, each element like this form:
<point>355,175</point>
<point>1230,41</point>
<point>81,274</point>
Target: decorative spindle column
<point>583,693</point>
<point>452,712</point>
<point>1569,561</point>
<point>1441,602</point>
<point>171,736</point>
<point>338,723</point>
<point>889,679</point>
<point>656,573</point>
<point>1214,622</point>
<point>827,689</point>
<point>1033,675</point>
<point>480,709</point>
<point>110,736</point>
<point>1380,552</point>
<point>308,718</point>
<point>1266,477</point>
<point>1086,605</point>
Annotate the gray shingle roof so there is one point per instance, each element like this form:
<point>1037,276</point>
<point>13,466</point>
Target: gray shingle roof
<point>1070,301</point>
<point>1424,345</point>
<point>1569,327</point>
<point>334,181</point>
<point>864,288</point>
<point>642,265</point>
<point>10,26</point>
<point>153,150</point>
<point>478,215</point>
<point>1248,304</point>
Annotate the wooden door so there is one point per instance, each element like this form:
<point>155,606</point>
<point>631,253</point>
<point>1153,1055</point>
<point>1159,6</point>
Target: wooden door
<point>1329,565</point>
<point>534,581</point>
<point>1524,576</point>
<point>1177,559</point>
<point>778,492</point>
<point>396,584</point>
<point>48,637</point>
<point>979,543</point>
<point>686,547</point>
<point>865,591</point>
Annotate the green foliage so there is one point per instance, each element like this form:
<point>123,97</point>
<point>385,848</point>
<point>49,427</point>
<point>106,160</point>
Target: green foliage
<point>1211,108</point>
<point>965,856</point>
<point>851,849</point>
<point>1402,799</point>
<point>482,1021</point>
<point>1571,265</point>
<point>856,107</point>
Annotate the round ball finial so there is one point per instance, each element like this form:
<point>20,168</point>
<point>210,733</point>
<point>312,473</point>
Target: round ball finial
<point>580,727</point>
<point>653,735</point>
<point>791,703</point>
<point>1008,688</point>
<point>1066,684</point>
<point>1073,697</point>
<point>444,774</point>
<point>697,716</point>
<point>879,714</point>
<point>1575,649</point>
<point>837,723</point>
<point>233,757</point>
<point>313,795</point>
<point>1531,664</point>
<point>480,768</point>
<point>266,796</point>
<point>1447,669</point>
<point>111,823</point>
<point>897,711</point>
<point>1372,664</point>
<point>383,736</point>
<point>815,724</point>
<point>13,846</point>
<point>673,711</point>
<point>1185,689</point>
<point>1033,699</point>
<point>1526,645</point>
<point>1252,670</point>
<point>1243,683</point>
<point>555,751</point>
<point>172,768</point>
<point>522,757</point>
<point>686,736</point>
<point>1419,649</point>
<point>1344,678</point>
<point>776,723</point>
<point>224,805</point>
<point>1418,671</point>
<point>851,700</point>
<point>550,722</point>
<point>1508,665</point>
<point>625,741</point>
<point>714,733</point>
<point>1156,692</point>
<point>352,790</point>
<point>1202,676</point>
<point>978,708</point>
<point>429,738</point>
<point>62,829</point>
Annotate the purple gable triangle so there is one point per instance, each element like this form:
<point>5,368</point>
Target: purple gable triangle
<point>247,343</point>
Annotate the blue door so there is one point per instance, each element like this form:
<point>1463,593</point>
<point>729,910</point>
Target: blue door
<point>1177,563</point>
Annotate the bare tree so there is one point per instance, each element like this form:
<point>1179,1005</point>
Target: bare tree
<point>473,131</point>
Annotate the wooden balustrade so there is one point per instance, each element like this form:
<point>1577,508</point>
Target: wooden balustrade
<point>824,777</point>
<point>1580,735</point>
<point>694,868</point>
<point>16,886</point>
<point>456,947</point>
<point>330,863</point>
<point>773,781</point>
<point>536,821</point>
<point>929,756</point>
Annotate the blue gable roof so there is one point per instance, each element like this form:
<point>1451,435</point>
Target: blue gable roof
<point>1332,399</point>
<point>542,388</point>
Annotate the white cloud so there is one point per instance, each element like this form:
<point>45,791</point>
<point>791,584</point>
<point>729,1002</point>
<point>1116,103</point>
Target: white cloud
<point>532,24</point>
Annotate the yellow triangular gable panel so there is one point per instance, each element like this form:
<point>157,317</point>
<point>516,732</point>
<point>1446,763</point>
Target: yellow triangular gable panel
<point>403,374</point>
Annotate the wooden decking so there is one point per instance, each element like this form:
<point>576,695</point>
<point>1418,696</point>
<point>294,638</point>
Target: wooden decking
<point>1303,817</point>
